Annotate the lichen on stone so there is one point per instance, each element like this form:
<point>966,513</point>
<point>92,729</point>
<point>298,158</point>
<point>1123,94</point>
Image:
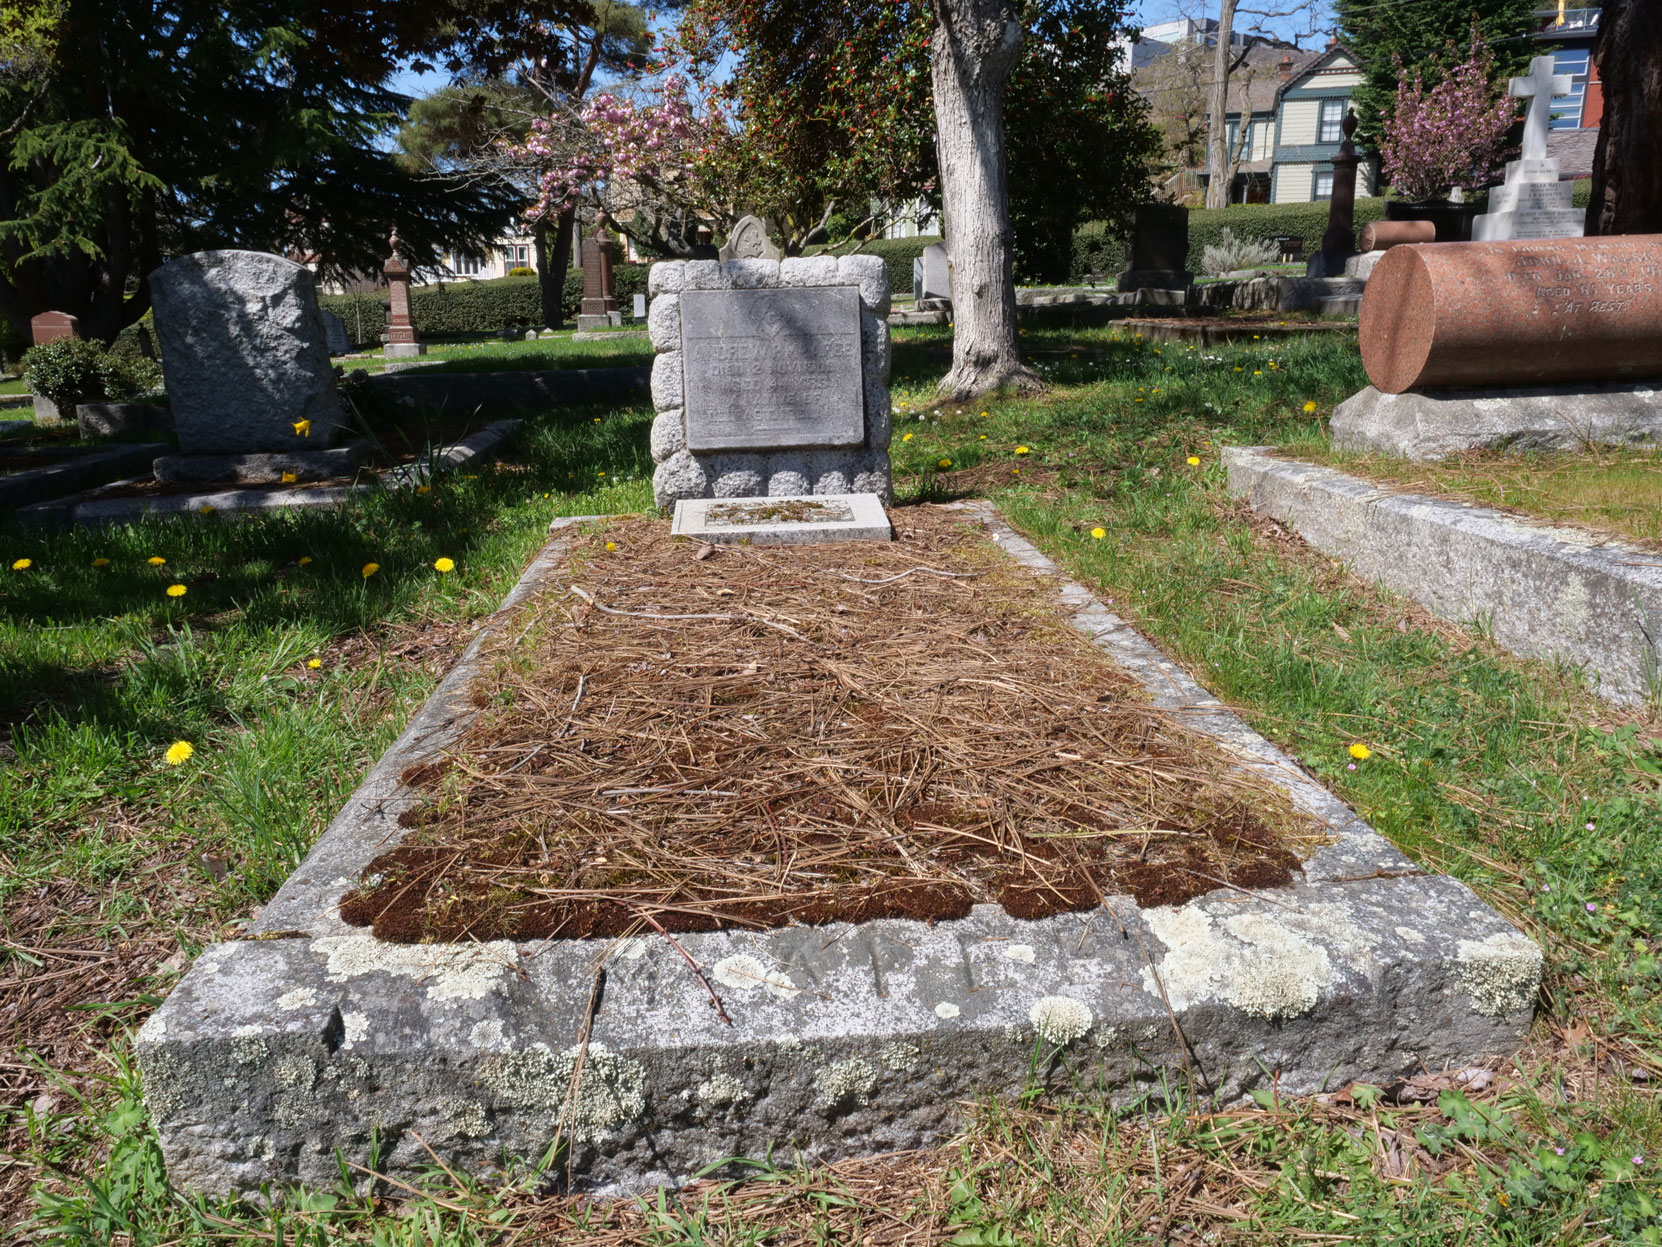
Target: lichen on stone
<point>247,1050</point>
<point>1023,953</point>
<point>611,1094</point>
<point>355,1028</point>
<point>721,1089</point>
<point>1060,1019</point>
<point>742,972</point>
<point>946,1010</point>
<point>1502,973</point>
<point>846,1084</point>
<point>900,1057</point>
<point>486,1034</point>
<point>448,971</point>
<point>468,1119</point>
<point>295,1071</point>
<point>299,998</point>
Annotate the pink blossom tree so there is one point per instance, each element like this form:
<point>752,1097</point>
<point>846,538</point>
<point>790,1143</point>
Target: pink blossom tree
<point>1453,134</point>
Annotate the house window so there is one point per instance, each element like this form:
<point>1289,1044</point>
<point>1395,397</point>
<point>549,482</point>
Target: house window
<point>1324,186</point>
<point>468,265</point>
<point>516,256</point>
<point>1566,109</point>
<point>1330,129</point>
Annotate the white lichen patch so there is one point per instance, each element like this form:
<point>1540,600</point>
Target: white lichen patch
<point>788,1043</point>
<point>468,1119</point>
<point>1023,953</point>
<point>356,1027</point>
<point>742,972</point>
<point>1060,1019</point>
<point>946,1010</point>
<point>247,1050</point>
<point>845,1084</point>
<point>1268,965</point>
<point>611,1094</point>
<point>900,1057</point>
<point>486,1034</point>
<point>1501,974</point>
<point>1411,935</point>
<point>632,949</point>
<point>1107,1036</point>
<point>155,1026</point>
<point>295,1072</point>
<point>448,971</point>
<point>720,1090</point>
<point>299,998</point>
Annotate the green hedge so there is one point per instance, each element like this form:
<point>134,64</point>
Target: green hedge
<point>463,308</point>
<point>1097,251</point>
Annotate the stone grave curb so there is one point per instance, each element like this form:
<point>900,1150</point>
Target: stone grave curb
<point>1559,594</point>
<point>96,512</point>
<point>308,1035</point>
<point>24,490</point>
<point>1179,329</point>
<point>454,393</point>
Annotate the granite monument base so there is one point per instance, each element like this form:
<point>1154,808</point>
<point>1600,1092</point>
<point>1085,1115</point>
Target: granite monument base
<point>287,467</point>
<point>403,350</point>
<point>1433,423</point>
<point>589,322</point>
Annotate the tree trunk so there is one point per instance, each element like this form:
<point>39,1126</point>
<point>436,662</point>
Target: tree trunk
<point>971,53</point>
<point>553,262</point>
<point>1627,165</point>
<point>1217,117</point>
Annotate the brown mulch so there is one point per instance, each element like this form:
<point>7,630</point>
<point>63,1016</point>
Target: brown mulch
<point>699,738</point>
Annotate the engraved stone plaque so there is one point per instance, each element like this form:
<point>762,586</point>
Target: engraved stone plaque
<point>772,368</point>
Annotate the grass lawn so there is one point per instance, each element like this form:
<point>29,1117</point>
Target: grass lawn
<point>557,352</point>
<point>116,867</point>
<point>1615,490</point>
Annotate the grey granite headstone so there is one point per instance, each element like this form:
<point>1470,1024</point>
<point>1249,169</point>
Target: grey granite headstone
<point>772,368</point>
<point>750,240</point>
<point>334,334</point>
<point>936,274</point>
<point>244,354</point>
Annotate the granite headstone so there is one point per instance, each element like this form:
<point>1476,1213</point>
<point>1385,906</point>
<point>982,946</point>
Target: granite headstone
<point>932,275</point>
<point>244,353</point>
<point>1533,203</point>
<point>750,240</point>
<point>334,334</point>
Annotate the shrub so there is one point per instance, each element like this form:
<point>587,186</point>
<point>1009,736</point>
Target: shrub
<point>1231,253</point>
<point>73,370</point>
<point>519,270</point>
<point>1453,134</point>
<point>898,254</point>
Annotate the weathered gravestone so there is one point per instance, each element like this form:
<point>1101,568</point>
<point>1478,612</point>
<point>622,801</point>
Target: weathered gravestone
<point>401,340</point>
<point>1158,255</point>
<point>599,307</point>
<point>771,377</point>
<point>50,326</point>
<point>1516,345</point>
<point>247,369</point>
<point>1533,203</point>
<point>931,276</point>
<point>750,240</point>
<point>334,334</point>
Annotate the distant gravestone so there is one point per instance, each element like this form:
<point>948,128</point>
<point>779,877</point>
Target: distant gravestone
<point>931,275</point>
<point>599,307</point>
<point>1533,203</point>
<point>50,326</point>
<point>244,354</point>
<point>401,341</point>
<point>640,307</point>
<point>750,240</point>
<point>1158,256</point>
<point>334,334</point>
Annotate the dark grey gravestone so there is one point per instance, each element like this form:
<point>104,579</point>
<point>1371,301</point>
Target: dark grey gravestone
<point>244,354</point>
<point>334,334</point>
<point>766,369</point>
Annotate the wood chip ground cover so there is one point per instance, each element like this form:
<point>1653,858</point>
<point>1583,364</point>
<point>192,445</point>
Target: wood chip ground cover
<point>702,738</point>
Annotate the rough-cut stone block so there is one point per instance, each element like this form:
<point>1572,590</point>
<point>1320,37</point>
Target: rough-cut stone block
<point>879,415</point>
<point>739,476</point>
<point>871,275</point>
<point>771,368</point>
<point>267,469</point>
<point>1430,424</point>
<point>310,1036</point>
<point>244,354</point>
<point>704,275</point>
<point>663,322</point>
<point>1559,594</point>
<point>669,435</point>
<point>666,277</point>
<point>750,274</point>
<point>874,341</point>
<point>680,476</point>
<point>816,270</point>
<point>668,386</point>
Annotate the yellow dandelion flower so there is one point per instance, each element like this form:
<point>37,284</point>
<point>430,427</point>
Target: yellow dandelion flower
<point>303,427</point>
<point>445,565</point>
<point>983,415</point>
<point>314,663</point>
<point>304,559</point>
<point>983,437</point>
<point>1194,461</point>
<point>1360,752</point>
<point>1022,450</point>
<point>100,562</point>
<point>611,545</point>
<point>424,489</point>
<point>944,463</point>
<point>369,569</point>
<point>179,752</point>
<point>155,560</point>
<point>1310,407</point>
<point>1099,533</point>
<point>205,509</point>
<point>176,591</point>
<point>22,565</point>
<point>906,437</point>
<point>290,478</point>
<point>1257,372</point>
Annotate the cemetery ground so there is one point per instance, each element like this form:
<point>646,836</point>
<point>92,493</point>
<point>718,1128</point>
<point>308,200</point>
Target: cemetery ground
<point>301,644</point>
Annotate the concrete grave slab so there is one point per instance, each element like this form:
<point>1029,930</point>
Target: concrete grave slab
<point>804,519</point>
<point>309,1035</point>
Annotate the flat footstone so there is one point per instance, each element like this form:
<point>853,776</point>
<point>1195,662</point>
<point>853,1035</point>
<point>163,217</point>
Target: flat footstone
<point>802,519</point>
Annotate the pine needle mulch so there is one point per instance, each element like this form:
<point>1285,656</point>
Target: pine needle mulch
<point>697,738</point>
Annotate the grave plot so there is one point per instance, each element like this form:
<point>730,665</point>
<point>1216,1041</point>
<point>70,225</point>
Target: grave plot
<point>713,852</point>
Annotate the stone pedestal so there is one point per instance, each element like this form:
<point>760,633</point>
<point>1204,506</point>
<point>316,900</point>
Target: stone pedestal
<point>589,323</point>
<point>403,350</point>
<point>1533,203</point>
<point>599,307</point>
<point>401,341</point>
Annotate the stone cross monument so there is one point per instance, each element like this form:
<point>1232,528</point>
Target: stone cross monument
<point>401,340</point>
<point>1533,203</point>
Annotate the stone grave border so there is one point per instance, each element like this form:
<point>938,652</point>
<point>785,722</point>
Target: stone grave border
<point>219,502</point>
<point>1546,592</point>
<point>307,1034</point>
<point>22,491</point>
